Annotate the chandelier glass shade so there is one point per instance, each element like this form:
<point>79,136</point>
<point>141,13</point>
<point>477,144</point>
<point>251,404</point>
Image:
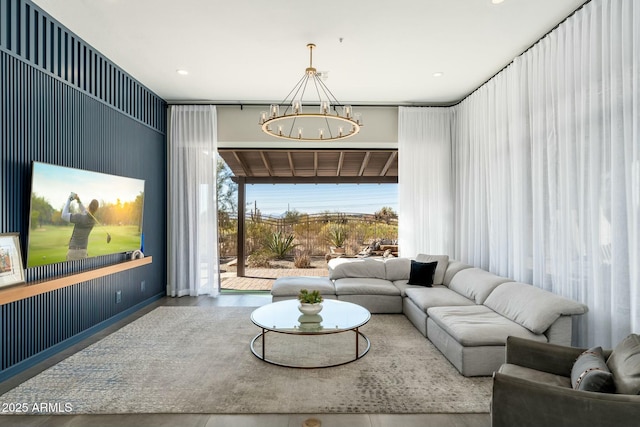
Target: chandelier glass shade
<point>297,118</point>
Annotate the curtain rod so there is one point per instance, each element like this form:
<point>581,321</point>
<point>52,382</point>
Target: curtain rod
<point>262,104</point>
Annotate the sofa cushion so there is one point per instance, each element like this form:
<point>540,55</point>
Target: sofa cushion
<point>443,262</point>
<point>534,375</point>
<point>340,268</point>
<point>403,285</point>
<point>476,283</point>
<point>397,268</point>
<point>590,372</point>
<point>437,296</point>
<point>624,363</point>
<point>453,268</point>
<point>365,286</point>
<point>477,325</point>
<point>531,307</point>
<point>422,273</point>
<point>287,286</point>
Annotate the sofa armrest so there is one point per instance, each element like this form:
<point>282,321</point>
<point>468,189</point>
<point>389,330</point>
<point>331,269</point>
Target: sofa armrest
<point>523,403</point>
<point>553,358</point>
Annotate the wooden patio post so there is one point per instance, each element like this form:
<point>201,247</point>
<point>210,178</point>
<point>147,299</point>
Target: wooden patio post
<point>242,183</point>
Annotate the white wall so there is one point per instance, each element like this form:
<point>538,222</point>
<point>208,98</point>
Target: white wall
<point>238,127</point>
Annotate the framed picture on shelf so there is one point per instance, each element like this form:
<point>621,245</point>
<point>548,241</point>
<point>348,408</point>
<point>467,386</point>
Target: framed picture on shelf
<point>11,271</point>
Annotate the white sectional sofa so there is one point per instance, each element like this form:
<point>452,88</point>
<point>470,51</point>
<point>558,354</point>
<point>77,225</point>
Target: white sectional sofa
<point>467,313</point>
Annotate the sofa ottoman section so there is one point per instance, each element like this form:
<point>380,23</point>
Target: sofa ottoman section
<point>288,287</point>
<point>376,295</point>
<point>419,299</point>
<point>415,315</point>
<point>437,296</point>
<point>472,338</point>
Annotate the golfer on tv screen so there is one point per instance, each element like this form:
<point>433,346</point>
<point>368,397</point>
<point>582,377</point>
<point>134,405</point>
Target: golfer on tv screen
<point>83,223</point>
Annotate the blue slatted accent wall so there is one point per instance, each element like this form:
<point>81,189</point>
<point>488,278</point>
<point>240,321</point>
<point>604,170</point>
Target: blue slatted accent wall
<point>62,102</point>
<point>35,37</point>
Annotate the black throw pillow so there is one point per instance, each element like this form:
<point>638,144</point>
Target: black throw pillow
<point>422,273</point>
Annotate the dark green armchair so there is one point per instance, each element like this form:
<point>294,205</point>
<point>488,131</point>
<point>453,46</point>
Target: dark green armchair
<point>533,388</point>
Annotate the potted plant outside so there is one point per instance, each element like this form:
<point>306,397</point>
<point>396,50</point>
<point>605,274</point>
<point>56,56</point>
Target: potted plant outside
<point>337,235</point>
<point>310,302</point>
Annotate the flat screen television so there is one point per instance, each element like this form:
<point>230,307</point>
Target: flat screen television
<point>77,214</point>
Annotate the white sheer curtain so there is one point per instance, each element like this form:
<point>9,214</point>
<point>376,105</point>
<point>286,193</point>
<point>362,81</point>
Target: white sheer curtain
<point>547,169</point>
<point>492,148</point>
<point>193,267</point>
<point>424,177</point>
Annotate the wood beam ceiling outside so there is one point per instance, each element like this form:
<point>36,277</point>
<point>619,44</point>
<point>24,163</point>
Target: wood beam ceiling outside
<point>340,163</point>
<point>315,163</point>
<point>387,165</point>
<point>318,179</point>
<point>313,166</point>
<point>291,166</point>
<point>365,162</point>
<point>267,164</point>
<point>243,165</point>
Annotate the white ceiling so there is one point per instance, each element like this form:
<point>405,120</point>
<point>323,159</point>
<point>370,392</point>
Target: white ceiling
<point>250,51</point>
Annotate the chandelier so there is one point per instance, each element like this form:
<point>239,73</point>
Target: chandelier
<point>295,119</point>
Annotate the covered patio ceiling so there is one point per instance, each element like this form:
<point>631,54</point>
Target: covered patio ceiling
<point>299,166</point>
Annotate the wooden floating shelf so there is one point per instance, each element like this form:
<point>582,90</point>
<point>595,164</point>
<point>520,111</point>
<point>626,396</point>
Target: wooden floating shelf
<point>27,290</point>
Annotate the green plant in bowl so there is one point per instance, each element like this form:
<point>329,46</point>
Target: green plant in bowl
<point>306,297</point>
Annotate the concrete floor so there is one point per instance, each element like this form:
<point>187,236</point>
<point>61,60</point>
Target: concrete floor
<point>217,420</point>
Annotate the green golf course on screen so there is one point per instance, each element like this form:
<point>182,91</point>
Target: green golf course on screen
<point>76,214</point>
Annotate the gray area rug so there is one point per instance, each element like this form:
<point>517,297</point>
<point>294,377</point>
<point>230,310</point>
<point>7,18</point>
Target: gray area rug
<point>198,360</point>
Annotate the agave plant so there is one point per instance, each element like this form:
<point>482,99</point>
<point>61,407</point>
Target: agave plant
<point>336,235</point>
<point>279,244</point>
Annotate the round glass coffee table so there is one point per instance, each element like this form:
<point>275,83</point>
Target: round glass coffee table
<point>330,338</point>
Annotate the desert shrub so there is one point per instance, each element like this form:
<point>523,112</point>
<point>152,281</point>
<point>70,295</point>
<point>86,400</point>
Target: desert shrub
<point>302,260</point>
<point>259,259</point>
<point>256,233</point>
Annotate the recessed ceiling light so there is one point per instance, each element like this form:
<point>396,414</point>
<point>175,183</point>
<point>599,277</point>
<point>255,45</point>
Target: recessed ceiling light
<point>182,72</point>
<point>438,74</point>
<point>496,1</point>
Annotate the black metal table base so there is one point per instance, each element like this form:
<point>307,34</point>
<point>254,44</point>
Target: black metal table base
<point>358,353</point>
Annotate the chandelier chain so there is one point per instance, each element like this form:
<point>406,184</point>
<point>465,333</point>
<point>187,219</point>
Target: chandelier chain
<point>330,123</point>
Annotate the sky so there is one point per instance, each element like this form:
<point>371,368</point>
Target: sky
<point>55,183</point>
<point>317,198</point>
